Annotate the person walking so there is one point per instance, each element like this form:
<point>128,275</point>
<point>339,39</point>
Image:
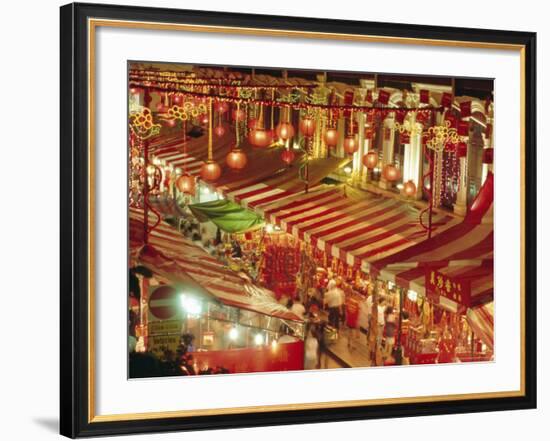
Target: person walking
<point>311,351</point>
<point>334,300</point>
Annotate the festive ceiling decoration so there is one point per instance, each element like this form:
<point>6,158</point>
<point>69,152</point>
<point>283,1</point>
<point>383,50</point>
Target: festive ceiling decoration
<point>440,136</point>
<point>142,124</point>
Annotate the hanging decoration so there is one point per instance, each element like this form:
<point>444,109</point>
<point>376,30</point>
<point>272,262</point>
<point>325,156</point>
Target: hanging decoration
<point>258,136</point>
<point>409,188</point>
<point>370,160</point>
<point>284,129</point>
<point>307,126</point>
<point>331,134</point>
<point>288,156</point>
<point>391,173</point>
<point>351,144</point>
<point>236,159</point>
<point>210,170</point>
<point>142,124</point>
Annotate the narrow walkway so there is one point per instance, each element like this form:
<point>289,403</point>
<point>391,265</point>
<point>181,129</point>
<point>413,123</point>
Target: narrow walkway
<point>356,356</point>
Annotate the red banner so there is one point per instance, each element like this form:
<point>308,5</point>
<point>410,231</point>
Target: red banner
<point>383,97</point>
<point>425,96</point>
<point>446,99</point>
<point>465,108</point>
<point>279,357</point>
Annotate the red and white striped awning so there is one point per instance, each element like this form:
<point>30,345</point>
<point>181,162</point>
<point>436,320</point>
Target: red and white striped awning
<point>463,251</point>
<point>356,231</point>
<point>173,258</point>
<point>481,320</point>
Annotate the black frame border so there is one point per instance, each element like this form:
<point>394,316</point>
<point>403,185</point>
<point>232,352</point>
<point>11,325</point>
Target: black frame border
<point>74,193</point>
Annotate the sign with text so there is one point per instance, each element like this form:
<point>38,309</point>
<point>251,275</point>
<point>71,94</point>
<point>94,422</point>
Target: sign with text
<point>455,289</point>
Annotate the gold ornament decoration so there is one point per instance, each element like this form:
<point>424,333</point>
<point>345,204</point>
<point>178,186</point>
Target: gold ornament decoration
<point>142,124</point>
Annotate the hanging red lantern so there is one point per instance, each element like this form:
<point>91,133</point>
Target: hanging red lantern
<point>177,99</point>
<point>186,184</point>
<point>222,107</point>
<point>350,144</point>
<point>370,160</point>
<point>236,159</point>
<point>331,137</point>
<point>259,138</point>
<point>239,115</point>
<point>288,156</point>
<point>307,126</point>
<point>285,130</point>
<point>391,173</point>
<point>135,90</point>
<point>409,189</point>
<point>210,171</point>
<point>219,131</point>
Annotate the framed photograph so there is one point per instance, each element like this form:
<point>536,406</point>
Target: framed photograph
<point>275,220</point>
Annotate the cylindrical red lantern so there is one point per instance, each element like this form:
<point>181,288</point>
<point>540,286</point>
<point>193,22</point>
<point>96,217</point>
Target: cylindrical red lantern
<point>239,115</point>
<point>236,159</point>
<point>331,137</point>
<point>219,131</point>
<point>370,160</point>
<point>288,156</point>
<point>210,171</point>
<point>285,130</point>
<point>487,156</point>
<point>391,173</point>
<point>307,126</point>
<point>350,144</point>
<point>259,138</point>
<point>186,184</point>
<point>409,189</point>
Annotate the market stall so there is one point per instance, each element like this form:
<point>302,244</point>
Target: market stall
<point>222,309</point>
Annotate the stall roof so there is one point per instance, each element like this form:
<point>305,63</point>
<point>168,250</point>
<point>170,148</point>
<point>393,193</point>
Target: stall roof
<point>481,320</point>
<point>227,216</point>
<point>176,259</point>
<point>464,250</point>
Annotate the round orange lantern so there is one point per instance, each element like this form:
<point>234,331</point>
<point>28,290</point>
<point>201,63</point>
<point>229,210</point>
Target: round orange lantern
<point>409,189</point>
<point>210,171</point>
<point>259,138</point>
<point>331,137</point>
<point>186,184</point>
<point>219,131</point>
<point>288,156</point>
<point>307,126</point>
<point>391,173</point>
<point>284,131</point>
<point>350,144</point>
<point>370,160</point>
<point>236,159</point>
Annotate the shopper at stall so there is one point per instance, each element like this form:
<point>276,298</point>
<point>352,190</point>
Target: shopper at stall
<point>334,300</point>
<point>297,308</point>
<point>390,329</point>
<point>311,351</point>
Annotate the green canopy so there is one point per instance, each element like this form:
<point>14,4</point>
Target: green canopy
<point>227,216</point>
